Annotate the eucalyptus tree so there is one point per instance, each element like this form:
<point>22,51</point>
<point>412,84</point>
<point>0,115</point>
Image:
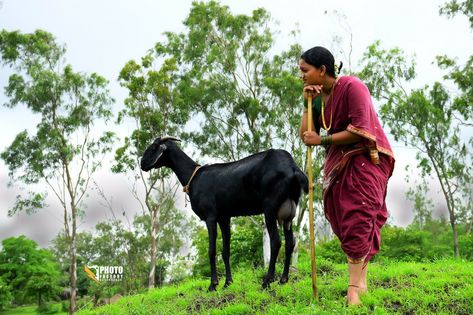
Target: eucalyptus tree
<point>462,76</point>
<point>64,151</point>
<point>227,56</point>
<point>424,119</point>
<point>155,107</point>
<point>247,98</point>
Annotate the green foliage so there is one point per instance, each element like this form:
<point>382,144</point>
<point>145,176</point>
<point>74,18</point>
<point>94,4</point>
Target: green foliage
<point>67,101</point>
<point>406,245</point>
<point>462,76</point>
<point>245,97</point>
<point>246,250</point>
<point>331,251</point>
<point>424,119</point>
<point>424,242</point>
<point>466,246</point>
<point>423,206</point>
<point>200,242</point>
<point>30,273</point>
<point>63,152</point>
<point>5,295</point>
<point>251,102</point>
<point>413,243</point>
<point>246,243</point>
<point>155,103</point>
<point>454,7</point>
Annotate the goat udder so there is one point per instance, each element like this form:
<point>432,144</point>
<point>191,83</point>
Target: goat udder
<point>286,212</point>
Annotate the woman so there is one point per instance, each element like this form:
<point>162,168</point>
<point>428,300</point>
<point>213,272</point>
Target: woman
<point>358,161</point>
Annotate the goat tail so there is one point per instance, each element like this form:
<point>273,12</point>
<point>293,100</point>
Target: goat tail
<point>303,181</point>
<point>299,183</point>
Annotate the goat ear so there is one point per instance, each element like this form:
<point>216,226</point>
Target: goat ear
<point>151,156</point>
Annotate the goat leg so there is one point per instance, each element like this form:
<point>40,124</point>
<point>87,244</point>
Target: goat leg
<point>275,242</point>
<point>226,236</point>
<point>290,243</point>
<point>212,229</point>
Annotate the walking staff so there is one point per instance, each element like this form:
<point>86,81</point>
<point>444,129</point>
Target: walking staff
<point>311,202</point>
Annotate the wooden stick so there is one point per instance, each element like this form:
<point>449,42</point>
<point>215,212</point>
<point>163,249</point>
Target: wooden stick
<point>311,201</point>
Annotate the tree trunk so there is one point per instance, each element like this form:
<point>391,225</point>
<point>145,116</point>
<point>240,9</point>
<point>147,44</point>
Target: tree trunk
<point>152,271</point>
<point>73,266</point>
<point>447,192</point>
<point>266,246</point>
<point>456,251</point>
<point>295,253</point>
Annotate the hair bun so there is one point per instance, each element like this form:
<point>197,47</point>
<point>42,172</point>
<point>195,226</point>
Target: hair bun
<point>338,68</point>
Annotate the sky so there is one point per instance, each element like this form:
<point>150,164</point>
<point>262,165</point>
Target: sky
<point>101,36</point>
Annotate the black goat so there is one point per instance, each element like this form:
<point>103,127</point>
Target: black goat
<point>268,182</point>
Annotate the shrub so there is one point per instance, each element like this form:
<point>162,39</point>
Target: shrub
<point>465,244</point>
<point>331,250</point>
<point>5,295</point>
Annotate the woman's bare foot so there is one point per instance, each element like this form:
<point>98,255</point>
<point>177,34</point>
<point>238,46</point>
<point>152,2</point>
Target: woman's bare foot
<point>362,290</point>
<point>353,294</point>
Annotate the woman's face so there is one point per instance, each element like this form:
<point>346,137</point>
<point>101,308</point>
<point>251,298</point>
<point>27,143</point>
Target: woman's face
<point>310,74</point>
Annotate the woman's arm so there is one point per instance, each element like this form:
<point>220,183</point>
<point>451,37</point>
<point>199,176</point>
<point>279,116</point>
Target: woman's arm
<point>339,138</point>
<point>315,91</point>
<point>303,127</point>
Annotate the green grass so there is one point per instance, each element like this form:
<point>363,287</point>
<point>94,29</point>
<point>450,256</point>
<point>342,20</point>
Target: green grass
<point>55,308</point>
<point>441,287</point>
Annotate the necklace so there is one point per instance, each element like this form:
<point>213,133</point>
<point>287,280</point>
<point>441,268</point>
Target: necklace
<point>331,112</point>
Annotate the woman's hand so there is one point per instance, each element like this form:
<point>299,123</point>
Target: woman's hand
<point>311,138</point>
<point>315,90</point>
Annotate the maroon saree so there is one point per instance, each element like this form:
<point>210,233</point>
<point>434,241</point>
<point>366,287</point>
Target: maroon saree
<point>356,176</point>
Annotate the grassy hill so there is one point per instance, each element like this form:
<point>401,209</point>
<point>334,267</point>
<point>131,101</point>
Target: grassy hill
<point>440,287</point>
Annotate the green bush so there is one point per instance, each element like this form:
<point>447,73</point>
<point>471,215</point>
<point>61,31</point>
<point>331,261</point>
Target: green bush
<point>331,250</point>
<point>5,295</point>
<point>465,244</point>
<point>246,248</point>
<point>246,244</point>
<point>433,241</point>
<point>430,242</point>
<point>49,308</point>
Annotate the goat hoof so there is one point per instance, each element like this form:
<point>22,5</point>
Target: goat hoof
<point>283,280</point>
<point>227,283</point>
<point>266,285</point>
<point>212,287</point>
<point>267,282</point>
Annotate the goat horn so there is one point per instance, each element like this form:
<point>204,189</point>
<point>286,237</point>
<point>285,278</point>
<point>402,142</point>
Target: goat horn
<point>170,138</point>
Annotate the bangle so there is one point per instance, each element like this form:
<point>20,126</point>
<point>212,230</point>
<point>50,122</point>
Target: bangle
<point>326,140</point>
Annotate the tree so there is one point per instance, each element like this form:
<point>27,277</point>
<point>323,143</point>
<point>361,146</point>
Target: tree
<point>424,119</point>
<point>84,253</point>
<point>28,271</point>
<point>155,106</point>
<point>44,280</point>
<point>246,98</point>
<point>65,151</point>
<point>462,77</point>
